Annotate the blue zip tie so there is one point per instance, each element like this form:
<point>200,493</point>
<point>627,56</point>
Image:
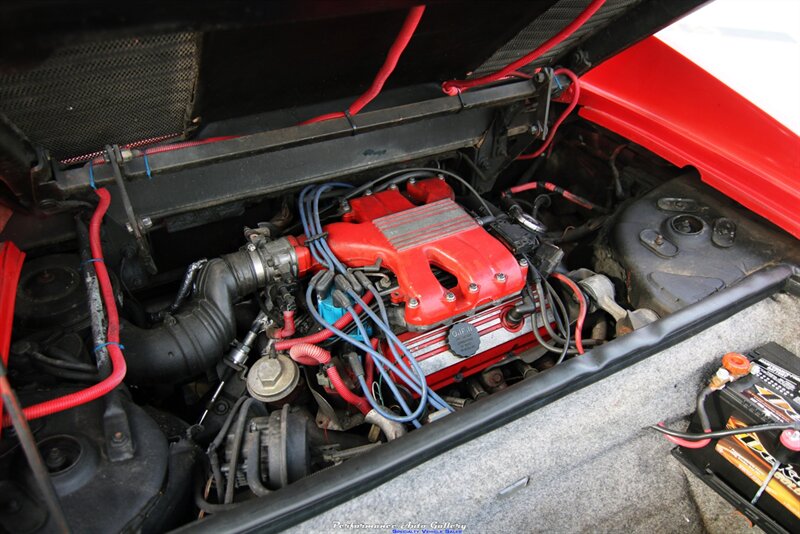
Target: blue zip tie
<point>147,166</point>
<point>558,83</point>
<point>107,343</point>
<point>91,175</point>
<point>93,260</point>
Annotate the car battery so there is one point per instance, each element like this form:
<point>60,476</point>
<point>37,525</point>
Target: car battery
<point>758,473</point>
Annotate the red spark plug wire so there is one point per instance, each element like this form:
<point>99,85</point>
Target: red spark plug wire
<point>453,87</point>
<point>112,336</point>
<point>396,50</point>
<point>582,309</point>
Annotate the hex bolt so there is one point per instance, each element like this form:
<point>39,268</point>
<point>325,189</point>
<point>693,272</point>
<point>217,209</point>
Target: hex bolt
<point>500,277</point>
<point>450,296</point>
<point>368,192</point>
<point>147,222</point>
<point>473,287</point>
<point>269,372</point>
<point>523,262</point>
<point>393,187</point>
<point>413,303</point>
<point>412,181</point>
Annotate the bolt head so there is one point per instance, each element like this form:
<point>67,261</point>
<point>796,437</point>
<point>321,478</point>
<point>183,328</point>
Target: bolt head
<point>523,262</point>
<point>500,277</point>
<point>393,187</point>
<point>268,372</point>
<point>413,303</point>
<point>368,192</point>
<point>412,181</point>
<point>473,287</point>
<point>450,296</point>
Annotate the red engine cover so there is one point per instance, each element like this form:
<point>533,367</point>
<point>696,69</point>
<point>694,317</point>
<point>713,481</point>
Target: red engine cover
<point>410,240</point>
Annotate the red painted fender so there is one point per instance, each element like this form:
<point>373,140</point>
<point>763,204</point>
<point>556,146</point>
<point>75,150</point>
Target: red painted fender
<point>654,96</point>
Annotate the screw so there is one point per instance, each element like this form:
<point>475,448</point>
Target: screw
<point>441,177</point>
<point>500,277</point>
<point>450,296</point>
<point>473,287</point>
<point>523,262</point>
<point>344,206</point>
<point>412,181</point>
<point>368,192</point>
<point>659,240</point>
<point>413,303</point>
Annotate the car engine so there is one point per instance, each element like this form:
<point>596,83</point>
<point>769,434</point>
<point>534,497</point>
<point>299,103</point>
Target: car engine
<point>205,319</point>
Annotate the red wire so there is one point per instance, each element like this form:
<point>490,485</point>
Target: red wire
<point>453,87</point>
<point>689,444</point>
<point>576,93</point>
<point>112,336</point>
<point>322,335</point>
<point>308,354</point>
<point>581,310</point>
<point>396,50</point>
<point>288,325</point>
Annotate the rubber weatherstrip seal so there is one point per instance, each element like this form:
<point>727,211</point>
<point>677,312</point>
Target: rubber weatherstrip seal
<point>324,490</point>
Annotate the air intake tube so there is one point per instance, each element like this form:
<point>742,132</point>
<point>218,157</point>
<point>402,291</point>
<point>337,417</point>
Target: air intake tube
<point>189,342</point>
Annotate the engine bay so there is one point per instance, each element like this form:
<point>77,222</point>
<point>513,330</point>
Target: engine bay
<point>206,319</point>
<point>360,311</point>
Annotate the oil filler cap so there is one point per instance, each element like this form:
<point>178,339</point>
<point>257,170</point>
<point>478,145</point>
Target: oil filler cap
<point>464,340</point>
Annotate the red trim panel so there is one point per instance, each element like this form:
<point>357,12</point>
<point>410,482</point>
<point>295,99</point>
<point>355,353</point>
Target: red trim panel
<point>657,98</point>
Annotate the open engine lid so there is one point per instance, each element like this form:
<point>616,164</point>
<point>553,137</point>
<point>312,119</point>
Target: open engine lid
<point>75,76</point>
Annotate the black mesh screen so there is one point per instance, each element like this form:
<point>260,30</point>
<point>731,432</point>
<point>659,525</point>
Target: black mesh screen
<point>84,96</point>
<point>547,25</point>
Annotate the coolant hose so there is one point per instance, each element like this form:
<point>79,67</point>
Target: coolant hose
<point>189,342</point>
<point>308,354</point>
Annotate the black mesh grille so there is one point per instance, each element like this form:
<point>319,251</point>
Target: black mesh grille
<point>547,25</point>
<point>86,95</point>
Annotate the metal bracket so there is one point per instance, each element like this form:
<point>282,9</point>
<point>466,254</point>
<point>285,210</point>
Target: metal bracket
<point>117,429</point>
<point>135,225</point>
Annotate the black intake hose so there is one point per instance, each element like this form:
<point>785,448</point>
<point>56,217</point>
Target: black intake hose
<point>193,340</point>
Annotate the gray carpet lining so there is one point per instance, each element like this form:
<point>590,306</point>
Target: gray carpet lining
<point>591,463</point>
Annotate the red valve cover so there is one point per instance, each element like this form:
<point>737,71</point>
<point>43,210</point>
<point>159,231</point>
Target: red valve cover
<point>410,240</point>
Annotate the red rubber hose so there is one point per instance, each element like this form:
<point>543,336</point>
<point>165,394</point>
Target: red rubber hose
<point>112,335</point>
<point>576,93</point>
<point>581,310</point>
<point>288,325</point>
<point>396,50</point>
<point>453,87</point>
<point>308,354</point>
<point>322,335</point>
<point>575,199</point>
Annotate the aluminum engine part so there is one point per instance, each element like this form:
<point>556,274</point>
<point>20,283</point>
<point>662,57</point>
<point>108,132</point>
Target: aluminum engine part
<point>273,378</point>
<point>498,337</point>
